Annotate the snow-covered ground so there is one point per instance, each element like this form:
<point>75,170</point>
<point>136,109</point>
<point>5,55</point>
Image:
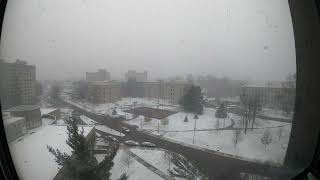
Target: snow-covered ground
<point>123,163</point>
<point>176,122</point>
<point>159,158</point>
<point>275,113</point>
<point>122,105</point>
<point>30,154</point>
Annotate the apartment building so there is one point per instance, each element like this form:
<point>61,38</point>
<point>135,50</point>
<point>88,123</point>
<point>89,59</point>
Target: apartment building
<point>100,75</point>
<point>104,91</point>
<point>268,92</point>
<point>170,90</point>
<point>17,83</point>
<point>137,76</point>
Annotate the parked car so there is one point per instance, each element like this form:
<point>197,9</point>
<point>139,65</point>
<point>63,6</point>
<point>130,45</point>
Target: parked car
<point>131,143</point>
<point>113,139</point>
<point>125,130</point>
<point>148,144</point>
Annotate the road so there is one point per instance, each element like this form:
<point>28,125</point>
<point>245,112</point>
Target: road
<point>214,165</point>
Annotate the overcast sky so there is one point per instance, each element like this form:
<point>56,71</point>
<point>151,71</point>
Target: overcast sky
<point>235,38</point>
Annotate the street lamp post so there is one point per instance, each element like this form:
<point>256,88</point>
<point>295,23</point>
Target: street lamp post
<point>194,131</point>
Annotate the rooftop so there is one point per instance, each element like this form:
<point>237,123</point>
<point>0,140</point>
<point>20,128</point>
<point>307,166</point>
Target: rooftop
<point>23,108</point>
<point>47,110</point>
<point>31,156</point>
<point>10,120</point>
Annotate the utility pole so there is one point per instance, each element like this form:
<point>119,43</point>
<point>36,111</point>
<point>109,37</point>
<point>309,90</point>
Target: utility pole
<point>158,127</point>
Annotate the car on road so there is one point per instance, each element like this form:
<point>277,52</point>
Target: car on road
<point>125,130</point>
<point>131,143</point>
<point>113,139</point>
<point>148,144</point>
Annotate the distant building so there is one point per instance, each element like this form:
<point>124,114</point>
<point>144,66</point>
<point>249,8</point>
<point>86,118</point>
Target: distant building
<point>100,75</point>
<point>268,92</point>
<point>104,91</point>
<point>15,127</point>
<point>139,77</point>
<point>17,83</point>
<point>31,114</point>
<point>170,90</point>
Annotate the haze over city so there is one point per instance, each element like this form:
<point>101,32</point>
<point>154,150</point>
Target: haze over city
<point>251,39</point>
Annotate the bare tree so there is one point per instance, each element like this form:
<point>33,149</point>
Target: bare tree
<point>280,132</point>
<point>266,138</point>
<point>251,105</point>
<point>236,136</point>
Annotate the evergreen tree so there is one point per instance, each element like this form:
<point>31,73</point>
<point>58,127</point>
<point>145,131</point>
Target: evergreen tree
<point>186,119</point>
<point>114,112</point>
<point>192,101</point>
<point>82,164</point>
<point>221,111</point>
<point>124,176</point>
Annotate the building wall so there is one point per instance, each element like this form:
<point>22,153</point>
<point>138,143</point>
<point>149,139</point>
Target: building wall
<point>32,118</point>
<point>104,92</point>
<point>15,129</point>
<point>100,75</point>
<point>139,77</point>
<point>268,95</point>
<point>17,83</point>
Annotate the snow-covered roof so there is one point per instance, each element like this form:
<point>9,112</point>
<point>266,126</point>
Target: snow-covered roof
<point>23,108</point>
<point>10,120</point>
<point>30,154</point>
<point>47,110</point>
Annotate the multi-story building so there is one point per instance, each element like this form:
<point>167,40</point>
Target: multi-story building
<point>17,83</point>
<point>139,77</point>
<point>170,90</point>
<point>268,92</point>
<point>104,91</point>
<point>100,75</point>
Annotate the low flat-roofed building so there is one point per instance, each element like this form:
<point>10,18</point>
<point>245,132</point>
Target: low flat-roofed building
<point>31,156</point>
<point>31,113</point>
<point>14,127</point>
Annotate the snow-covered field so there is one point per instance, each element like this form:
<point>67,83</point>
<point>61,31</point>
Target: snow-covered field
<point>275,113</point>
<point>176,122</point>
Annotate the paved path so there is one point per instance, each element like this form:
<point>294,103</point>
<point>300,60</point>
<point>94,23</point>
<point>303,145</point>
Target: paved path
<point>148,165</point>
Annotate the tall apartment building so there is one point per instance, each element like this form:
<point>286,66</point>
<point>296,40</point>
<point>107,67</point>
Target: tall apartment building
<point>104,91</point>
<point>100,75</point>
<point>139,77</point>
<point>17,83</point>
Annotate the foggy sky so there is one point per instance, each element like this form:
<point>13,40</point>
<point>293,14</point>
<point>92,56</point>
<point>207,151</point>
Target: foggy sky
<point>236,38</point>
